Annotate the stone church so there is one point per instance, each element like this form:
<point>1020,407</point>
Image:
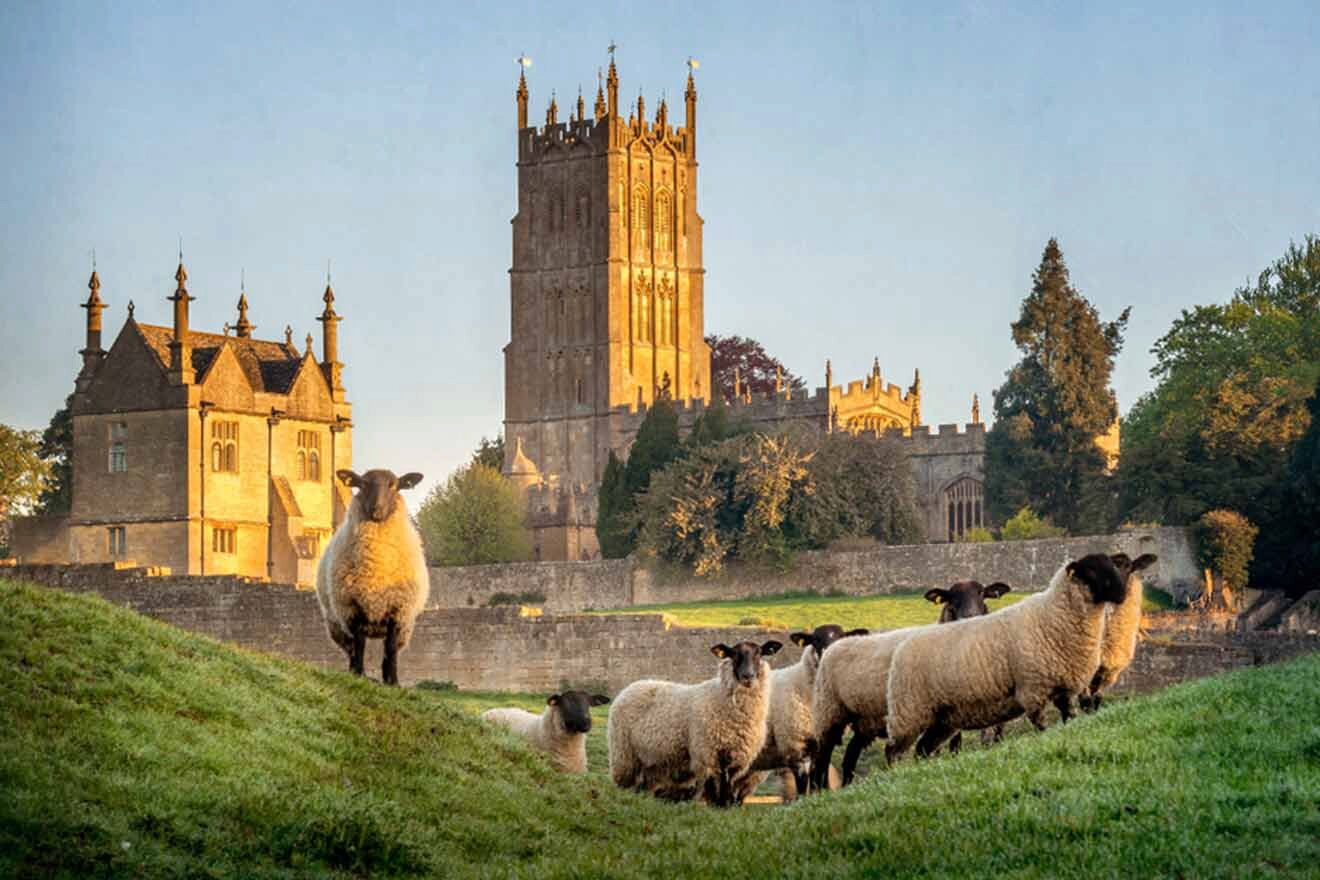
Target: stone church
<point>205,453</point>
<point>607,312</point>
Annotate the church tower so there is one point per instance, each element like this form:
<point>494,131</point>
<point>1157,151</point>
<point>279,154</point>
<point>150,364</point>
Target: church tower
<point>606,282</point>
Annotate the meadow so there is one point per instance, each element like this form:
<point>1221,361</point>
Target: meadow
<point>133,748</point>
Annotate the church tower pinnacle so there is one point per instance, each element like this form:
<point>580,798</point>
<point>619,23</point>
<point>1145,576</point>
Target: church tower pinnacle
<point>181,368</point>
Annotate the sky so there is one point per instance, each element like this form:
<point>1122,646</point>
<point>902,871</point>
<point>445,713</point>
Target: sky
<point>877,180</point>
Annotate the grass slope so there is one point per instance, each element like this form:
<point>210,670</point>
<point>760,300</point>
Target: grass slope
<point>130,747</point>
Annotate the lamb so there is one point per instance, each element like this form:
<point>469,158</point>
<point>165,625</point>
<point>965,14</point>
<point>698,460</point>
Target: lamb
<point>1122,628</point>
<point>560,730</point>
<point>790,740</point>
<point>372,581</point>
<point>678,740</point>
<point>976,673</point>
<point>851,685</point>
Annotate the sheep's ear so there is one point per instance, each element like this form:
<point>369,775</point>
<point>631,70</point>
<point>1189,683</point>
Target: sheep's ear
<point>720,651</point>
<point>995,590</point>
<point>1121,561</point>
<point>599,700</point>
<point>348,478</point>
<point>771,647</point>
<point>937,596</point>
<point>1144,561</point>
<point>407,481</point>
<point>800,639</point>
<point>857,632</point>
<point>552,700</point>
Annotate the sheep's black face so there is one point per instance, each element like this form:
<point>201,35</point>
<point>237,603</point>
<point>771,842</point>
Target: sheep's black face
<point>965,599</point>
<point>746,659</point>
<point>823,636</point>
<point>378,490</point>
<point>575,709</point>
<point>1101,577</point>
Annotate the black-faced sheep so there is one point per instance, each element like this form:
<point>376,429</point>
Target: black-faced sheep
<point>560,730</point>
<point>977,673</point>
<point>1122,630</point>
<point>963,600</point>
<point>680,740</point>
<point>372,581</point>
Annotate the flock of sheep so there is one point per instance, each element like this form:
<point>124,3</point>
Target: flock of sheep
<point>719,739</point>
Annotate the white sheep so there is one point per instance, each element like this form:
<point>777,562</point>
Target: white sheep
<point>560,730</point>
<point>1122,630</point>
<point>678,741</point>
<point>372,581</point>
<point>790,736</point>
<point>984,671</point>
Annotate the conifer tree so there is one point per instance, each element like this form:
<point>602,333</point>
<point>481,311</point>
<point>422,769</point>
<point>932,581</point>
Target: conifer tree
<point>613,504</point>
<point>657,444</point>
<point>1304,501</point>
<point>1041,452</point>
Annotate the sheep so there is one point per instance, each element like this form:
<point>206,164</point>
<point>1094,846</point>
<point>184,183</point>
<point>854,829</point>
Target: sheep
<point>372,581</point>
<point>960,601</point>
<point>976,673</point>
<point>789,740</point>
<point>852,680</point>
<point>678,740</point>
<point>560,730</point>
<point>1122,629</point>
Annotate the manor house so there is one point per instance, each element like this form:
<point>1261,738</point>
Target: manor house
<point>206,453</point>
<point>607,313</point>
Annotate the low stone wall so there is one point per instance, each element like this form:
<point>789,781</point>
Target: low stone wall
<point>623,583</point>
<point>522,650</point>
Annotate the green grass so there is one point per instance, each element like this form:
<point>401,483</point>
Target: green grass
<point>807,610</point>
<point>131,748</point>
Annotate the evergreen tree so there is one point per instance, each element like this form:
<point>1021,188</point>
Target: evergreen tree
<point>57,450</point>
<point>490,453</point>
<point>1304,502</point>
<point>657,444</point>
<point>613,506</point>
<point>1052,406</point>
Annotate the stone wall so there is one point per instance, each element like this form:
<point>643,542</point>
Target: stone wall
<point>40,539</point>
<point>519,649</point>
<point>1025,565</point>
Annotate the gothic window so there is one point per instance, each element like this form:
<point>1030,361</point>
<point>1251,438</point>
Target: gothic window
<point>117,540</point>
<point>302,465</point>
<point>118,452</point>
<point>224,446</point>
<point>963,504</point>
<point>662,220</point>
<point>646,313</point>
<point>309,456</point>
<point>641,219</point>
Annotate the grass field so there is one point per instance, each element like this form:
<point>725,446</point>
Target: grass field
<point>807,610</point>
<point>129,748</point>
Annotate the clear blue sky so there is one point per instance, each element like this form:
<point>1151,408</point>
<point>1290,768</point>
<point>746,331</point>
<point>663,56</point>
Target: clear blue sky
<point>876,180</point>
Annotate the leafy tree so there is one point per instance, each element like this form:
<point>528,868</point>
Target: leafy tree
<point>1224,544</point>
<point>1053,404</point>
<point>862,487</point>
<point>474,518</point>
<point>614,505</point>
<point>23,473</point>
<point>490,453</point>
<point>712,426</point>
<point>57,450</point>
<point>1303,502</point>
<point>1025,525</point>
<point>747,357</point>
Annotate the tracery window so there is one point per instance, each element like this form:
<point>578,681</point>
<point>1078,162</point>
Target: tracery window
<point>641,219</point>
<point>224,447</point>
<point>663,210</point>
<point>964,501</point>
<point>309,456</point>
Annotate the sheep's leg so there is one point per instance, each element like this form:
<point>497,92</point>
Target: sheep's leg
<point>856,745</point>
<point>932,739</point>
<point>1037,718</point>
<point>955,744</point>
<point>991,736</point>
<point>389,669</point>
<point>359,653</point>
<point>896,747</point>
<point>820,762</point>
<point>1095,702</point>
<point>801,780</point>
<point>1063,702</point>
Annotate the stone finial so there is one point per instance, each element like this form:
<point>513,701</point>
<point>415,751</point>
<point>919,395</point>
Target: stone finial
<point>244,327</point>
<point>288,335</point>
<point>641,109</point>
<point>661,115</point>
<point>976,409</point>
<point>521,95</point>
<point>829,375</point>
<point>130,310</point>
<point>737,383</point>
<point>309,344</point>
<point>552,112</point>
<point>779,379</point>
<point>600,108</point>
<point>581,107</point>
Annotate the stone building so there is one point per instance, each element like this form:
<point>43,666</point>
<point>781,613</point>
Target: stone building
<point>205,453</point>
<point>607,313</point>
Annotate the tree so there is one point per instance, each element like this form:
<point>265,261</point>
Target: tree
<point>1303,502</point>
<point>490,453</point>
<point>656,445</point>
<point>474,518</point>
<point>862,487</point>
<point>1229,407</point>
<point>57,450</point>
<point>1053,405</point>
<point>747,358</point>
<point>613,526</point>
<point>23,475</point>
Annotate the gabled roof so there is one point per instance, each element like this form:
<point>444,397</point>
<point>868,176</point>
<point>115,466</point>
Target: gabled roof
<point>269,366</point>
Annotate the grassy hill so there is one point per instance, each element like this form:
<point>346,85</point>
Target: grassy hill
<point>132,748</point>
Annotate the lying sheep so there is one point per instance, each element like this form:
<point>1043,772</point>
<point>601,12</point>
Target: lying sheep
<point>1122,629</point>
<point>987,670</point>
<point>677,740</point>
<point>372,581</point>
<point>963,600</point>
<point>790,737</point>
<point>560,730</point>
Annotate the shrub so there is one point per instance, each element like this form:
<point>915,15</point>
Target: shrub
<point>474,518</point>
<point>1025,525</point>
<point>529,598</point>
<point>763,622</point>
<point>1225,543</point>
<point>977,535</point>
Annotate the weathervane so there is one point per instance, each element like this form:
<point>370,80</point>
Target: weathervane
<point>693,64</point>
<point>524,62</point>
<point>610,48</point>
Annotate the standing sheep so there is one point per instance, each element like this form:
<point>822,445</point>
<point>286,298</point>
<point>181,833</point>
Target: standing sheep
<point>372,581</point>
<point>678,740</point>
<point>1122,629</point>
<point>963,600</point>
<point>560,730</point>
<point>976,673</point>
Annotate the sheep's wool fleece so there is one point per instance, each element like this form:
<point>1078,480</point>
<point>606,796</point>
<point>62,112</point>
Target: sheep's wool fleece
<point>986,670</point>
<point>1122,629</point>
<point>378,568</point>
<point>545,732</point>
<point>661,731</point>
<point>851,684</point>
